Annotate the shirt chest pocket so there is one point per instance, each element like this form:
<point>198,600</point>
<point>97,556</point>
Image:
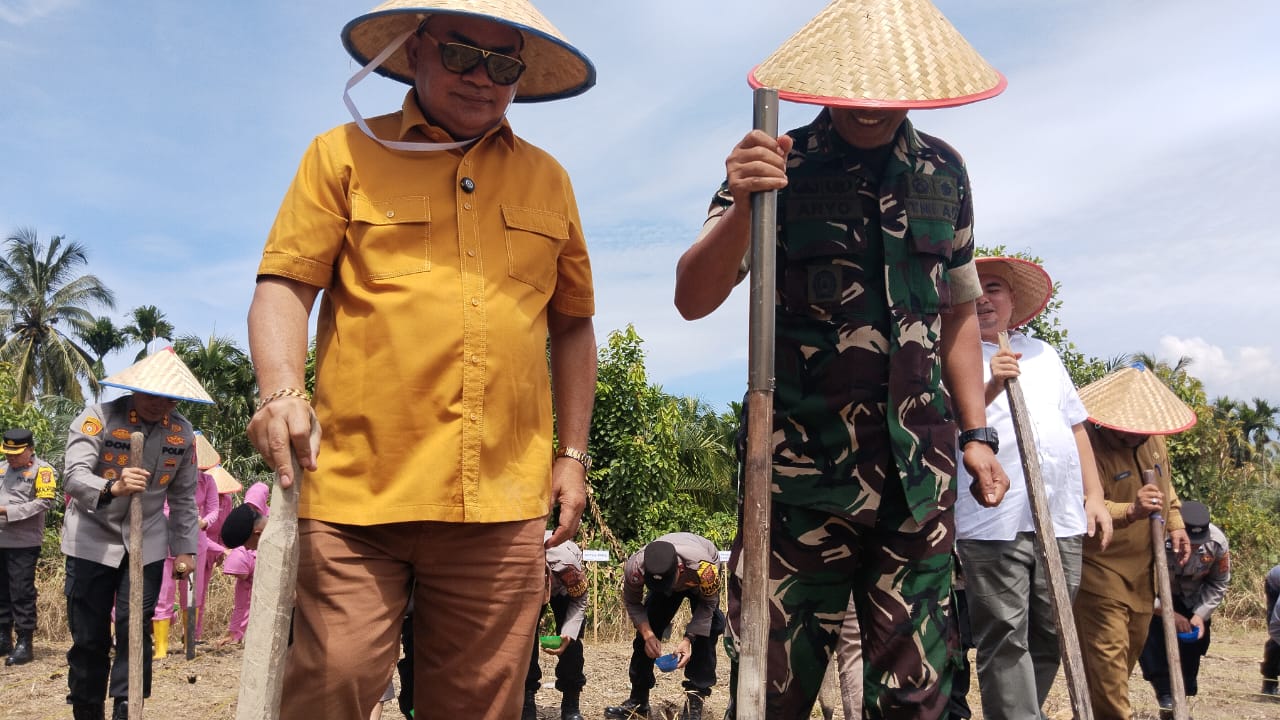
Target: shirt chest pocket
<point>391,237</point>
<point>534,240</point>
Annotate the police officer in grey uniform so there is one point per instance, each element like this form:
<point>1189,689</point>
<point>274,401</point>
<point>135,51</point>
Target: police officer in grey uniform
<point>27,489</point>
<point>567,578</point>
<point>95,534</point>
<point>1198,588</point>
<point>675,567</point>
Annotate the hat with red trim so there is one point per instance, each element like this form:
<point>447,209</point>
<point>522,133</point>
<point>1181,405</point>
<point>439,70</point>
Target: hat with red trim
<point>1133,400</point>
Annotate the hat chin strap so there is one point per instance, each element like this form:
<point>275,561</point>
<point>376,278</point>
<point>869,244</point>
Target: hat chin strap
<point>364,127</point>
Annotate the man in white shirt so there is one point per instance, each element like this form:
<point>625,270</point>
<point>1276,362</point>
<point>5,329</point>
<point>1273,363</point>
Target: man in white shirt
<point>1009,606</point>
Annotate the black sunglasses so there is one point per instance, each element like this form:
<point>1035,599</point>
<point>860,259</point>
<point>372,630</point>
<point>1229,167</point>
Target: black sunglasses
<point>461,58</point>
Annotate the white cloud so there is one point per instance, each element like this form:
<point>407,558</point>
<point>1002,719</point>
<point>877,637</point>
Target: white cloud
<point>22,12</point>
<point>1241,373</point>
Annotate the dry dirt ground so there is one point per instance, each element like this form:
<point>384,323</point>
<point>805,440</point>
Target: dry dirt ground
<point>205,688</point>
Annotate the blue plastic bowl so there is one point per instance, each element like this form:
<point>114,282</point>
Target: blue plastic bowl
<point>667,663</point>
<point>1191,635</point>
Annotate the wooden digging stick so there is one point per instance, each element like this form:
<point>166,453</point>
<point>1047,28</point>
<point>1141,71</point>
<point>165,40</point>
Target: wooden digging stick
<point>271,608</point>
<point>136,441</point>
<point>758,470</point>
<point>1160,563</point>
<point>1047,547</point>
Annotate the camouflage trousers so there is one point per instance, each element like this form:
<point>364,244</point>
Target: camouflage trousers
<point>899,574</point>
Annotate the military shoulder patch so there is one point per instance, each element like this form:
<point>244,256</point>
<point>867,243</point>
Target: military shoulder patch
<point>91,426</point>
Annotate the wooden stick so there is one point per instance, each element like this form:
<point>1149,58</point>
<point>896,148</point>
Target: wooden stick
<point>1047,548</point>
<point>188,607</point>
<point>758,465</point>
<point>136,677</point>
<point>1160,563</point>
<point>266,639</point>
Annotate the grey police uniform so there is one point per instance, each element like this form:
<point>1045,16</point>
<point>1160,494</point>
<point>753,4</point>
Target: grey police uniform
<point>569,606</point>
<point>27,494</point>
<point>1197,588</point>
<point>696,556</point>
<point>95,536</point>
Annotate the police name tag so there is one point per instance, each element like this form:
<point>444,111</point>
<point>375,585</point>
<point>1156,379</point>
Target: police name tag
<point>595,555</point>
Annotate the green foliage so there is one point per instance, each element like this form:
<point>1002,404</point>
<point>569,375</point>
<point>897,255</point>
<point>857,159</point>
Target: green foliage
<point>226,373</point>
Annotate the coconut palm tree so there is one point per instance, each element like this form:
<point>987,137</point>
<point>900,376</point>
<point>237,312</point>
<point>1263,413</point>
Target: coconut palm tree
<point>148,325</point>
<point>224,370</point>
<point>103,338</point>
<point>45,300</point>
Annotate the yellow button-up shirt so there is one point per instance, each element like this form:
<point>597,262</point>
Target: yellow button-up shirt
<point>432,385</point>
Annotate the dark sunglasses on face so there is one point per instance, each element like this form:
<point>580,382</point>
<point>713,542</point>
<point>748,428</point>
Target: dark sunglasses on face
<point>461,58</point>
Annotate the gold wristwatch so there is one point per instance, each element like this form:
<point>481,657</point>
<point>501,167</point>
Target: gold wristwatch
<point>575,454</point>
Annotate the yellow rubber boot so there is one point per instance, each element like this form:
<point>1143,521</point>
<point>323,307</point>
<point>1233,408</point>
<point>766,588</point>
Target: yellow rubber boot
<point>160,638</point>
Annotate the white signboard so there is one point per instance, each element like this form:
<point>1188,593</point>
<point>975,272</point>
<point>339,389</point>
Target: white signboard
<point>724,556</point>
<point>595,555</point>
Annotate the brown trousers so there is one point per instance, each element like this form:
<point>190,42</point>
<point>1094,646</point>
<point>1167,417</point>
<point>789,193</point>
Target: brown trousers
<point>479,588</point>
<point>1111,639</point>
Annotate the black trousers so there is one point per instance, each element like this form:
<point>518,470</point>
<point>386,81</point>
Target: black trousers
<point>1155,661</point>
<point>18,587</point>
<point>700,673</point>
<point>569,675</point>
<point>92,589</point>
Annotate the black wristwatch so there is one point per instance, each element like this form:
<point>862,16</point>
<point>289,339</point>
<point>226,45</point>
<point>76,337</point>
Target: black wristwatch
<point>106,489</point>
<point>983,435</point>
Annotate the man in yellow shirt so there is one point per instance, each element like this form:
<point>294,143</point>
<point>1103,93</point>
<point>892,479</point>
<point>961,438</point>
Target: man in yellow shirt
<point>449,251</point>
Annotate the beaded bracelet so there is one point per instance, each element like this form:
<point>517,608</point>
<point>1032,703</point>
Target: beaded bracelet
<point>283,392</point>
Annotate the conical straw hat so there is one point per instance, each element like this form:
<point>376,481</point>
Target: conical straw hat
<point>1032,288</point>
<point>226,483</point>
<point>899,54</point>
<point>555,69</point>
<point>161,373</point>
<point>206,456</point>
<point>1134,400</point>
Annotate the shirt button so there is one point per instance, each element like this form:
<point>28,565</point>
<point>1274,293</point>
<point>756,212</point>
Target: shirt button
<point>475,301</point>
<point>391,213</point>
<point>471,253</point>
<point>466,206</point>
<point>474,417</point>
<point>467,185</point>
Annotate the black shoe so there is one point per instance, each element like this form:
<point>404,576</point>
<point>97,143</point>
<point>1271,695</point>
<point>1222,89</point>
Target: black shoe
<point>22,653</point>
<point>1270,686</point>
<point>569,707</point>
<point>692,709</point>
<point>628,709</point>
<point>1166,706</point>
<point>570,714</point>
<point>88,711</point>
<point>121,710</point>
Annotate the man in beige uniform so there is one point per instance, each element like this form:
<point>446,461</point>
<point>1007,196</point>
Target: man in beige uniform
<point>1129,412</point>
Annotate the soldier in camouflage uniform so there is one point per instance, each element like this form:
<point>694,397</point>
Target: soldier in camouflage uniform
<point>877,363</point>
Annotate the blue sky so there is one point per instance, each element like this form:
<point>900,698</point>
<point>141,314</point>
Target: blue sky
<point>1132,151</point>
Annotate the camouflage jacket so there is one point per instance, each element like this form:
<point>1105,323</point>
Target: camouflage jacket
<point>872,248</point>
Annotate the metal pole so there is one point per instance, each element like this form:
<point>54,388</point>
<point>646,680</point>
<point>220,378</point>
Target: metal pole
<point>754,563</point>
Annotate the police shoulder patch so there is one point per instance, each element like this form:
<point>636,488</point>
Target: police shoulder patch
<point>45,483</point>
<point>708,578</point>
<point>91,426</point>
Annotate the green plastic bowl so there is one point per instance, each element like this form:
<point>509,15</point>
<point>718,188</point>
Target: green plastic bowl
<point>550,642</point>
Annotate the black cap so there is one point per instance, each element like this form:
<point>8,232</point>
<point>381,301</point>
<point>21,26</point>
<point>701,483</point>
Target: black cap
<point>661,566</point>
<point>15,441</point>
<point>1196,517</point>
<point>239,525</point>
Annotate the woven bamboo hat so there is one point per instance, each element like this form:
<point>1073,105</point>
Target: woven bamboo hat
<point>206,456</point>
<point>226,482</point>
<point>555,69</point>
<point>1134,400</point>
<point>897,54</point>
<point>161,373</point>
<point>1032,288</point>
